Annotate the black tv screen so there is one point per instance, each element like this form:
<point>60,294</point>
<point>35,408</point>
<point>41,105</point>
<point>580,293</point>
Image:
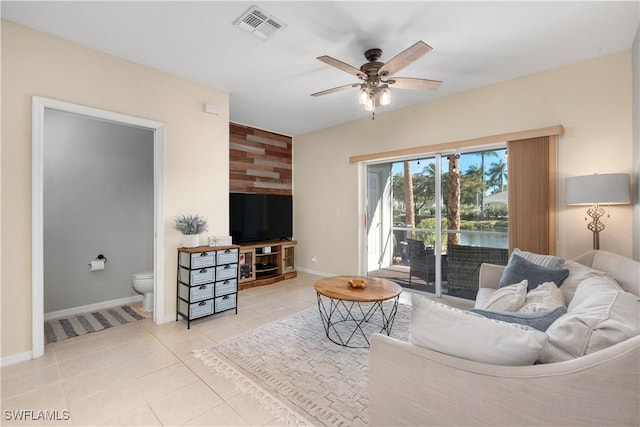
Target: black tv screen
<point>254,217</point>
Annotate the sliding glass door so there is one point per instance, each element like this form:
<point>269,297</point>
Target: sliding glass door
<point>432,221</point>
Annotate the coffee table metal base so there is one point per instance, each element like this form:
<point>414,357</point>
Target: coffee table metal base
<point>338,316</point>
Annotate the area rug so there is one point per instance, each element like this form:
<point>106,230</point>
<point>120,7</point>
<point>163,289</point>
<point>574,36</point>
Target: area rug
<point>86,323</point>
<point>295,372</point>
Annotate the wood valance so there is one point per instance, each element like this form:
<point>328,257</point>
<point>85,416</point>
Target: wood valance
<point>455,145</point>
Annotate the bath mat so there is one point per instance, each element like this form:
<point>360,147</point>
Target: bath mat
<point>295,372</point>
<point>86,323</point>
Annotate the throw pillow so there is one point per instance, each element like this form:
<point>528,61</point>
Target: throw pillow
<point>545,297</point>
<point>600,315</point>
<point>540,320</point>
<point>507,298</point>
<point>520,269</point>
<point>548,261</point>
<point>470,336</point>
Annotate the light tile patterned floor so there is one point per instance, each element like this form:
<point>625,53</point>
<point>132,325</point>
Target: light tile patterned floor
<point>144,374</point>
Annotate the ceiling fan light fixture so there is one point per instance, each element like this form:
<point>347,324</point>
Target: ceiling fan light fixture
<point>370,105</point>
<point>375,76</point>
<point>385,95</point>
<point>362,98</point>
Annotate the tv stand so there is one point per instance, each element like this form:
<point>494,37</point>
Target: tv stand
<point>266,262</point>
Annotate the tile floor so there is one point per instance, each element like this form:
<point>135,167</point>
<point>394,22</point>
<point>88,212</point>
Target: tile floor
<point>143,374</point>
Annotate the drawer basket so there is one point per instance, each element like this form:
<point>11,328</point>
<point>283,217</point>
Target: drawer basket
<point>197,293</point>
<point>196,309</point>
<point>225,302</point>
<point>199,260</point>
<point>227,256</point>
<point>224,272</point>
<point>196,277</point>
<point>227,287</point>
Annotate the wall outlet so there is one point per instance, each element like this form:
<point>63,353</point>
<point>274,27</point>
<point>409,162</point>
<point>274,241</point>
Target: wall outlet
<point>313,259</point>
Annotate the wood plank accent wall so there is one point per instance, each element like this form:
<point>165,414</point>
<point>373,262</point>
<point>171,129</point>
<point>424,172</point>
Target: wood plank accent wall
<point>259,161</point>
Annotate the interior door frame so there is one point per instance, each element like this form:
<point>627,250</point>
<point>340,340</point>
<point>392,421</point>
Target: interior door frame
<point>39,105</point>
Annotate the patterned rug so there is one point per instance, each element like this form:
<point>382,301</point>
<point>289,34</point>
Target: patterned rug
<point>86,323</point>
<point>297,373</point>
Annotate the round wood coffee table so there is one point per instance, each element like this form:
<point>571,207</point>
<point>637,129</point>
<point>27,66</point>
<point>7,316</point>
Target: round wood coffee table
<point>347,311</point>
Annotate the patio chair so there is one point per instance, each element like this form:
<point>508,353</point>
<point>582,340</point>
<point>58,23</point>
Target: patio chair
<point>463,267</point>
<point>421,261</point>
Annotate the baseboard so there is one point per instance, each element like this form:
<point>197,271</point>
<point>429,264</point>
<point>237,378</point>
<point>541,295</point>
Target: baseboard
<point>315,272</point>
<point>16,358</point>
<point>91,307</point>
<point>169,318</point>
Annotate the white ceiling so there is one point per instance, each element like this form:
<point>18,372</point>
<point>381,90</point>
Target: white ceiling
<point>269,82</point>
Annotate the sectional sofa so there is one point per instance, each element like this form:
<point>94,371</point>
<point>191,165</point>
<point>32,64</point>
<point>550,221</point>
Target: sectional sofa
<point>597,385</point>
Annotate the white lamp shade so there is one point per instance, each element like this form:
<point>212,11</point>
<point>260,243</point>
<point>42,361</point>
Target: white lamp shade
<point>608,189</point>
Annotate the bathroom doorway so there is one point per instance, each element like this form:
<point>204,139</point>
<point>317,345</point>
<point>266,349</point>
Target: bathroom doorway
<point>42,109</point>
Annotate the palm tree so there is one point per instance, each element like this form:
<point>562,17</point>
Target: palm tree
<point>497,174</point>
<point>408,197</point>
<point>471,185</point>
<point>483,154</point>
<point>424,187</point>
<point>453,199</point>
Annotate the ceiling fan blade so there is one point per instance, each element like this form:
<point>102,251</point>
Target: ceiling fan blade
<point>404,58</point>
<point>411,83</point>
<point>341,66</point>
<point>335,89</point>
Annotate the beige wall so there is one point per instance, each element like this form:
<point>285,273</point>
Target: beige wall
<point>591,99</point>
<point>196,149</point>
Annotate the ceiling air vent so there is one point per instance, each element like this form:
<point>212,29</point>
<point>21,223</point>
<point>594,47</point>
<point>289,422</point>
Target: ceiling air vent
<point>259,23</point>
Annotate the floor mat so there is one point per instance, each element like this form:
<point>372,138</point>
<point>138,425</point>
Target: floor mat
<point>86,323</point>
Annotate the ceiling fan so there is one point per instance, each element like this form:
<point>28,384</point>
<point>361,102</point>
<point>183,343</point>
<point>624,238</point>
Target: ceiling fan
<point>375,77</point>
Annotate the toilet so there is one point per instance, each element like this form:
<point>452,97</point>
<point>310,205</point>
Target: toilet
<point>143,283</point>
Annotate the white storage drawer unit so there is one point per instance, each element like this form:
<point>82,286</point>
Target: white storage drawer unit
<point>207,281</point>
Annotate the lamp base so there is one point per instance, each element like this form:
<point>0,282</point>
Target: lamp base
<point>596,226</point>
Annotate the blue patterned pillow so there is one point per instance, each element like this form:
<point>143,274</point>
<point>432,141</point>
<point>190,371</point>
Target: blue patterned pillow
<point>520,269</point>
<point>540,320</point>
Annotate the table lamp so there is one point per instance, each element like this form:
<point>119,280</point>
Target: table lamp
<point>596,190</point>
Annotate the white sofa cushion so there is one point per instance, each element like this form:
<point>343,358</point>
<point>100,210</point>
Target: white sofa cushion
<point>577,274</point>
<point>546,297</point>
<point>600,315</point>
<point>507,298</point>
<point>470,336</point>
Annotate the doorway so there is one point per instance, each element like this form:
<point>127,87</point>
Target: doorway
<point>39,106</point>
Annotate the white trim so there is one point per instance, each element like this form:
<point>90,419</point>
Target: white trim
<point>37,227</point>
<point>16,358</point>
<point>91,307</point>
<point>39,104</point>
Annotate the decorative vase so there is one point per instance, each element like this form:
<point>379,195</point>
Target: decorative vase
<point>190,240</point>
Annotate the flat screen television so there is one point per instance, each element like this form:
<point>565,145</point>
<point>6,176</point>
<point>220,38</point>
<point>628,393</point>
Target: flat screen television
<point>254,217</point>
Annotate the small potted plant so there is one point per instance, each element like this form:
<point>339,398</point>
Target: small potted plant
<point>191,226</point>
